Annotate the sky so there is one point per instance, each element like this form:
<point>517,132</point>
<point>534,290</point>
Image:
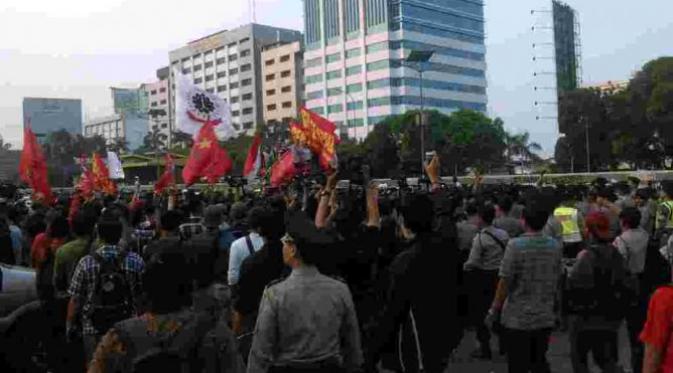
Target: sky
<point>80,48</point>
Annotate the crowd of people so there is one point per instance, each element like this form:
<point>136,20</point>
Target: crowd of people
<point>326,278</point>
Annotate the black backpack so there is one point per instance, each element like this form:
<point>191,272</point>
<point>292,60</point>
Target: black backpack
<point>609,296</point>
<point>112,299</point>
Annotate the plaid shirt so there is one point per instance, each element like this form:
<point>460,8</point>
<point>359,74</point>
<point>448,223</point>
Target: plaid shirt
<point>84,280</point>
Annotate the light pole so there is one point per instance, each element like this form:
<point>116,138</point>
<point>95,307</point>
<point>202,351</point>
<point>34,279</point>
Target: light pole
<point>419,57</point>
<point>586,127</point>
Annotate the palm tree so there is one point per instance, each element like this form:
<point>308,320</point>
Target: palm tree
<point>519,145</point>
<point>120,146</point>
<point>4,146</point>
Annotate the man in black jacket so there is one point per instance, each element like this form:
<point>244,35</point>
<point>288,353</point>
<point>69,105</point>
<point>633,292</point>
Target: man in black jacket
<point>420,311</point>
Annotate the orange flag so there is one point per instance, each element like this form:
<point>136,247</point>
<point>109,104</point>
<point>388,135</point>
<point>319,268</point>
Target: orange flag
<point>317,134</point>
<point>33,167</point>
<point>207,159</point>
<point>101,176</point>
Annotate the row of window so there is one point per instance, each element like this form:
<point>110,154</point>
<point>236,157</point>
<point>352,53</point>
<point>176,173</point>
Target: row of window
<point>282,59</point>
<point>284,74</point>
<point>286,89</point>
<point>234,85</point>
<point>154,91</point>
<point>285,105</point>
<point>220,74</point>
<point>157,103</point>
<point>209,54</point>
<point>237,113</point>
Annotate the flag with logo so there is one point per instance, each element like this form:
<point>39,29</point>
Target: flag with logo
<point>33,167</point>
<point>195,107</point>
<point>317,134</point>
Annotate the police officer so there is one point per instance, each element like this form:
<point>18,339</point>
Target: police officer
<point>664,220</point>
<point>572,223</point>
<point>306,322</point>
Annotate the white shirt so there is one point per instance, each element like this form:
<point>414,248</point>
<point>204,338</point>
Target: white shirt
<point>238,252</point>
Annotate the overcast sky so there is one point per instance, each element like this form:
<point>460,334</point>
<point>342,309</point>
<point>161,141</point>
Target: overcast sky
<point>79,48</point>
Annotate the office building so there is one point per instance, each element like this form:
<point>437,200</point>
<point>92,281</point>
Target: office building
<point>229,63</point>
<point>157,99</point>
<point>567,47</point>
<point>355,69</point>
<point>47,115</point>
<point>283,81</point>
<point>117,127</point>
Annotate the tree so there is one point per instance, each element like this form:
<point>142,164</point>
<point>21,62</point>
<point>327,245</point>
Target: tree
<point>120,146</point>
<point>238,152</point>
<point>154,141</point>
<point>181,140</point>
<point>519,146</point>
<point>4,146</point>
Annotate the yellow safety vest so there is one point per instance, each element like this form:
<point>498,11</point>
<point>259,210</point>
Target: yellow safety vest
<point>668,219</point>
<point>567,216</point>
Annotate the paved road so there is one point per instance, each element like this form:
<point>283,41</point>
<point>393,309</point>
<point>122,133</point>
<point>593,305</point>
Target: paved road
<point>559,356</point>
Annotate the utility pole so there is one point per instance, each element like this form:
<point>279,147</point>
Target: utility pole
<point>586,127</point>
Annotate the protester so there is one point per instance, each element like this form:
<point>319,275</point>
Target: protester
<point>664,217</point>
<point>596,305</point>
<point>657,333</point>
<point>105,287</point>
<point>504,220</point>
<point>245,246</point>
<point>526,292</point>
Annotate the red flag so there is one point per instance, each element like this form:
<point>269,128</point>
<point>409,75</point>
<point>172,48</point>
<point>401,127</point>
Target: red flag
<point>167,178</point>
<point>284,170</point>
<point>207,158</point>
<point>317,133</point>
<point>33,167</point>
<point>101,176</point>
<point>75,204</point>
<point>253,163</point>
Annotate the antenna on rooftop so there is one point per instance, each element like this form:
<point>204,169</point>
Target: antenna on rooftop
<point>253,17</point>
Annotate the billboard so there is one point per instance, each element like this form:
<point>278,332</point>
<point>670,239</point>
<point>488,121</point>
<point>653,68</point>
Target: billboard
<point>47,115</point>
<point>565,42</point>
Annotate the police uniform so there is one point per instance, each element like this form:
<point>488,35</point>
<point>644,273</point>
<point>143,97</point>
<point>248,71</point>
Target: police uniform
<point>569,219</point>
<point>306,322</point>
<point>664,221</point>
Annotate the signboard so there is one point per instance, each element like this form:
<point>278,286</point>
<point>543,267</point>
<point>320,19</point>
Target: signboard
<point>130,102</point>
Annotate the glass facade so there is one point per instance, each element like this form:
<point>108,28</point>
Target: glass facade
<point>312,23</point>
<point>331,19</point>
<point>352,20</point>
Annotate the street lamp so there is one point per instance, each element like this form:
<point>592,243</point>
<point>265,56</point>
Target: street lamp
<point>418,57</point>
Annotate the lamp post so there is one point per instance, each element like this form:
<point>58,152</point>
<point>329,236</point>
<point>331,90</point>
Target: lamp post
<point>418,58</point>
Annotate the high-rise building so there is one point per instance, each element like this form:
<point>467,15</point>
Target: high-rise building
<point>47,115</point>
<point>229,63</point>
<point>157,100</point>
<point>567,47</point>
<point>356,72</point>
<point>283,74</point>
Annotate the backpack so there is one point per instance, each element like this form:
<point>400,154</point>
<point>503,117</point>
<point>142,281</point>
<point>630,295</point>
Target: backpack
<point>177,354</point>
<point>609,295</point>
<point>112,299</point>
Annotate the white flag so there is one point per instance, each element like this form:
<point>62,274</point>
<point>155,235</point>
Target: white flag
<point>114,166</point>
<point>195,106</point>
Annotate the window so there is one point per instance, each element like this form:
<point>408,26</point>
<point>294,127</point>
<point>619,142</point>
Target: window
<point>245,53</point>
<point>247,111</point>
<point>353,70</point>
<point>221,60</point>
<point>221,88</point>
<point>221,74</point>
<point>354,88</point>
<point>334,92</point>
<point>209,64</point>
<point>233,71</point>
<point>285,74</point>
<point>153,92</point>
<point>247,125</point>
<point>270,92</point>
<point>351,53</point>
<point>246,67</point>
<point>286,89</point>
<point>269,62</point>
<point>271,107</point>
<point>379,65</point>
<point>153,104</point>
<point>247,97</point>
<point>232,57</point>
<point>246,82</point>
<point>231,45</point>
<point>333,74</point>
<point>285,58</point>
<point>287,105</point>
<point>377,47</point>
<point>208,55</point>
<point>234,100</point>
<point>163,102</point>
<point>335,109</point>
<point>235,113</point>
<point>233,85</point>
<point>162,89</point>
<point>310,79</point>
<point>244,40</point>
<point>209,78</point>
<point>270,77</point>
<point>198,80</point>
<point>381,83</point>
<point>332,58</point>
<point>220,49</point>
<point>210,90</point>
<point>313,62</point>
<point>198,67</point>
<point>187,70</point>
<point>357,105</point>
<point>314,95</point>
